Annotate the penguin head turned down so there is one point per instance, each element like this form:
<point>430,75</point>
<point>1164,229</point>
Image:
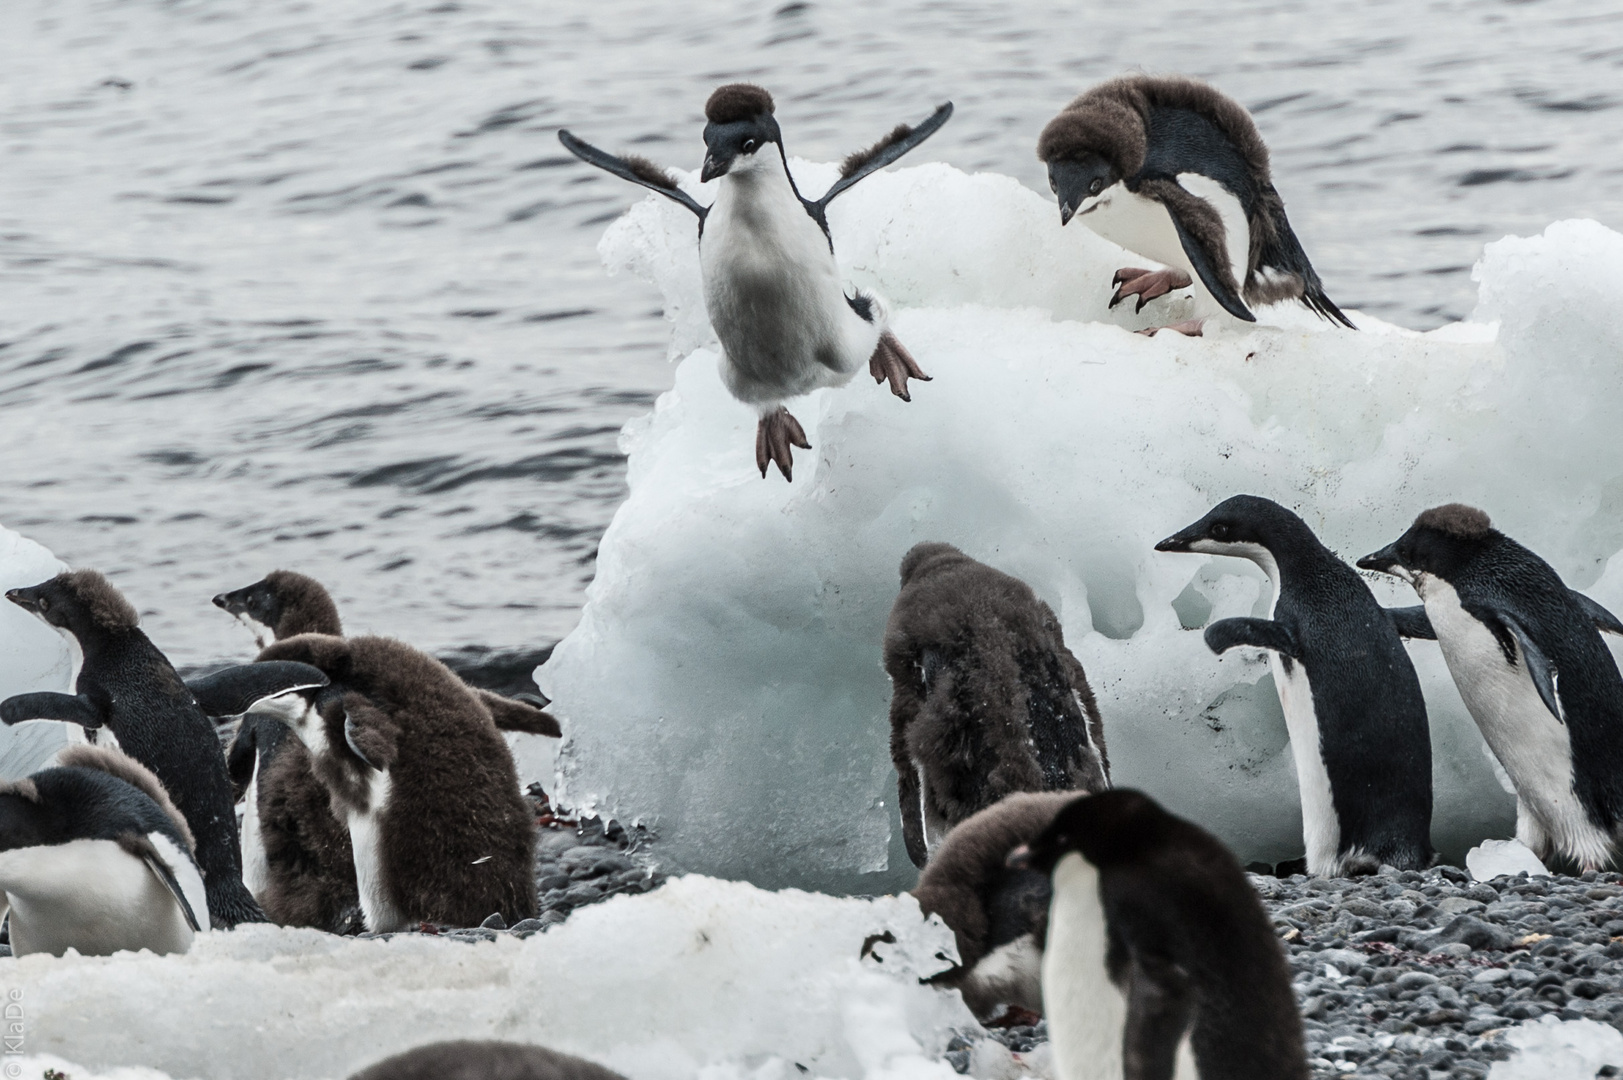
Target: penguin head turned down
<point>740,126</point>
<point>1441,541</point>
<point>1089,149</point>
<point>77,602</point>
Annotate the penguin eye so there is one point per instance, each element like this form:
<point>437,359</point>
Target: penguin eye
<point>44,604</point>
<point>749,146</point>
<point>1097,186</point>
<point>1220,531</point>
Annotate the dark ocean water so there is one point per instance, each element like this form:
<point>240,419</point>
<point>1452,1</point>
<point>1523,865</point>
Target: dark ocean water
<point>312,284</point>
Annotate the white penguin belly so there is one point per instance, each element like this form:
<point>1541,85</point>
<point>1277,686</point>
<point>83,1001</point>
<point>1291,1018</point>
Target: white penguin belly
<point>1321,830</point>
<point>1138,224</point>
<point>1534,748</point>
<point>255,863</point>
<point>773,292</point>
<point>1087,1013</point>
<point>377,900</point>
<point>93,896</point>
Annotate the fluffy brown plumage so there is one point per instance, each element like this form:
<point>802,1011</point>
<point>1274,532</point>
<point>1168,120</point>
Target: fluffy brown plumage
<point>737,101</point>
<point>311,879</point>
<point>117,763</point>
<point>649,171</point>
<point>855,161</point>
<point>104,603</point>
<point>986,699</point>
<point>456,841</point>
<point>471,1060</point>
<point>307,607</point>
<point>1456,519</point>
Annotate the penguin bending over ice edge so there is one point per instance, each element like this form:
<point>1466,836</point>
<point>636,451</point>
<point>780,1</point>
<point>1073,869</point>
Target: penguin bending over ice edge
<point>1173,169</point>
<point>1161,961</point>
<point>126,685</point>
<point>771,285</point>
<point>1527,656</point>
<point>1349,691</point>
<point>95,857</point>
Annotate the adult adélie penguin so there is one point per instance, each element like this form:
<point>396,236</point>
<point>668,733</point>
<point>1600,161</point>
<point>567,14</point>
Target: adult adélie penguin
<point>1175,170</point>
<point>771,285</point>
<point>1348,689</point>
<point>1526,653</point>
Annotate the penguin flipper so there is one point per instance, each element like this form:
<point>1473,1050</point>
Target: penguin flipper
<point>1225,634</point>
<point>1412,622</point>
<point>516,714</point>
<point>50,705</point>
<point>237,689</point>
<point>1546,676</point>
<point>144,849</point>
<point>1160,1008</point>
<point>369,732</point>
<point>1203,261</point>
<point>882,153</point>
<point>636,169</point>
<point>1604,620</point>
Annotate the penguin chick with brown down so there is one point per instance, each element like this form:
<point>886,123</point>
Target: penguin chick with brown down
<point>414,765</point>
<point>1175,170</point>
<point>986,700</point>
<point>997,913</point>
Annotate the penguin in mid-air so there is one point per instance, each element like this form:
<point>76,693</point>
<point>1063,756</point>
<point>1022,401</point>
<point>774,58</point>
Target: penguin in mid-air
<point>1530,664</point>
<point>438,827</point>
<point>1161,961</point>
<point>1349,691</point>
<point>468,1059</point>
<point>95,857</point>
<point>129,687</point>
<point>986,699</point>
<point>771,285</point>
<point>998,914</point>
<point>1172,169</point>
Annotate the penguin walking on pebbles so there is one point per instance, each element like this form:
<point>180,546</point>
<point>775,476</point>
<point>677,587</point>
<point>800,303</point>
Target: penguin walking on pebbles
<point>1173,169</point>
<point>1160,960</point>
<point>1529,661</point>
<point>438,827</point>
<point>127,686</point>
<point>95,857</point>
<point>998,913</point>
<point>986,699</point>
<point>771,285</point>
<point>1351,698</point>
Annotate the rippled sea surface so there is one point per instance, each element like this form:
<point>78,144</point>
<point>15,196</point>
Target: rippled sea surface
<point>312,284</point>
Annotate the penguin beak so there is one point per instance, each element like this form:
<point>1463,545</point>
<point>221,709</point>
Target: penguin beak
<point>1181,541</point>
<point>1020,858</point>
<point>714,167</point>
<point>22,599</point>
<point>1385,560</point>
<point>1066,212</point>
<point>220,601</point>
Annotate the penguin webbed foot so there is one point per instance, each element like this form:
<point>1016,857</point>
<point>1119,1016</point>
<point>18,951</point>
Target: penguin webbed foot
<point>1188,328</point>
<point>1147,285</point>
<point>891,360</point>
<point>776,433</point>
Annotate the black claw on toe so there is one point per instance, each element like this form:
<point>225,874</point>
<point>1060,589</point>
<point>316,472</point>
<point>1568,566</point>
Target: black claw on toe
<point>774,435</point>
<point>1146,284</point>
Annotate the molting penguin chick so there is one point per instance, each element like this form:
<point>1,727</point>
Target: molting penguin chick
<point>986,699</point>
<point>1527,656</point>
<point>1349,691</point>
<point>479,1060</point>
<point>998,913</point>
<point>410,758</point>
<point>1174,170</point>
<point>127,686</point>
<point>95,857</point>
<point>1160,958</point>
<point>771,285</point>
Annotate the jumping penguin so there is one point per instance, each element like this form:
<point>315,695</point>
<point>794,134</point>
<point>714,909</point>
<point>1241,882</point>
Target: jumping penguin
<point>1172,169</point>
<point>129,687</point>
<point>771,285</point>
<point>1351,698</point>
<point>1160,959</point>
<point>95,857</point>
<point>1527,656</point>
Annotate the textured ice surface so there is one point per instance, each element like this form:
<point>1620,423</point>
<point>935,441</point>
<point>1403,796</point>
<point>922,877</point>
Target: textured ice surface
<point>1552,1049</point>
<point>702,978</point>
<point>32,656</point>
<point>724,682</point>
<point>1502,858</point>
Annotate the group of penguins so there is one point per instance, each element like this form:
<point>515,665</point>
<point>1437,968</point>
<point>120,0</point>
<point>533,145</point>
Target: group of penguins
<point>374,779</point>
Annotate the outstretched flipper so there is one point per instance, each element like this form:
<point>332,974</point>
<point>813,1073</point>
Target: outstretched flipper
<point>639,170</point>
<point>236,689</point>
<point>49,705</point>
<point>1412,622</point>
<point>1604,620</point>
<point>891,360</point>
<point>880,154</point>
<point>521,712</point>
<point>1225,634</point>
<point>774,435</point>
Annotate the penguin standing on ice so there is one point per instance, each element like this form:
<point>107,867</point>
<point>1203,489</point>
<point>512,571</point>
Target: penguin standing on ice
<point>1172,169</point>
<point>1527,656</point>
<point>1349,691</point>
<point>986,699</point>
<point>127,686</point>
<point>439,830</point>
<point>1161,961</point>
<point>95,857</point>
<point>771,285</point>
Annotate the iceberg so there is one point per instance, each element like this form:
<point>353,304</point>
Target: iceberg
<point>724,685</point>
<point>32,658</point>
